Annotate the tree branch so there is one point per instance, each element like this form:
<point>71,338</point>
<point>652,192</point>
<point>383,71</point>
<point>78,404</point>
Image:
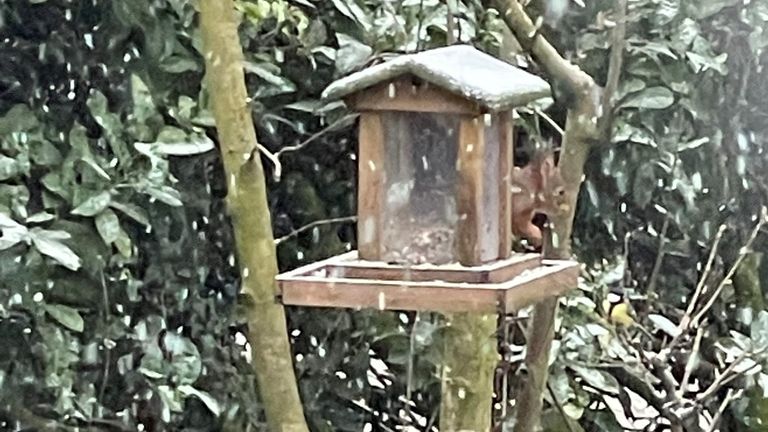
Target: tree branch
<point>557,67</point>
<point>615,65</point>
<point>309,226</point>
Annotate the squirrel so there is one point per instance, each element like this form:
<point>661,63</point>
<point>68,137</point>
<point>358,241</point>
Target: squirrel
<point>537,187</point>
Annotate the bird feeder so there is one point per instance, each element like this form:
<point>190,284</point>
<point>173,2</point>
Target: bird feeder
<point>434,194</point>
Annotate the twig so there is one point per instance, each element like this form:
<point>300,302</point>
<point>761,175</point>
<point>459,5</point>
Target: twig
<point>275,157</point>
<point>347,118</point>
<point>418,29</point>
<point>727,375</point>
<point>686,320</point>
<point>298,231</point>
<point>409,366</point>
<point>615,64</point>
<point>729,397</point>
<point>651,289</point>
<point>107,350</point>
<point>450,37</point>
<point>549,120</point>
<point>692,358</point>
<point>560,408</point>
<point>742,253</point>
<point>278,172</point>
<point>704,275</point>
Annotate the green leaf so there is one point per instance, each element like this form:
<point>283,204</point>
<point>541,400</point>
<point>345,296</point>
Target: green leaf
<point>40,217</point>
<point>48,243</point>
<point>701,63</point>
<point>759,330</point>
<point>177,64</point>
<point>269,73</point>
<point>11,232</point>
<point>351,54</point>
<point>205,398</point>
<point>664,324</point>
<point>44,153</point>
<point>598,379</point>
<point>694,144</point>
<point>66,316</point>
<point>18,119</point>
<point>353,11</point>
<point>175,142</point>
<point>108,226</point>
<point>166,194</point>
<point>132,211</point>
<point>94,204</point>
<point>8,167</point>
<point>650,98</point>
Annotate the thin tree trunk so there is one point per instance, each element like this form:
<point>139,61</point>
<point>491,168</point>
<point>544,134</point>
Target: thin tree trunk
<point>247,204</point>
<point>589,118</point>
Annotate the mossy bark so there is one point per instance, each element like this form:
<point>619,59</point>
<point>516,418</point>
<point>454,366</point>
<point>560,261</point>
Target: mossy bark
<point>247,205</point>
<point>469,359</point>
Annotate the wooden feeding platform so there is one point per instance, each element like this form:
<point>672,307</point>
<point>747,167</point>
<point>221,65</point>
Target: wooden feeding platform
<point>434,197</point>
<point>502,286</point>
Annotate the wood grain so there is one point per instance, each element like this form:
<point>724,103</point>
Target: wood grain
<point>506,153</point>
<point>470,190</point>
<point>370,185</point>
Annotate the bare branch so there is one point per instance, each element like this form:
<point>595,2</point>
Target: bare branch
<point>692,357</point>
<point>763,218</point>
<point>298,231</point>
<point>730,397</point>
<point>560,69</point>
<point>615,64</point>
<point>275,157</point>
<point>342,121</point>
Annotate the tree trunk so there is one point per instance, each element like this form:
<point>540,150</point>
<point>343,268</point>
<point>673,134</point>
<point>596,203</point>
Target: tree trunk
<point>247,204</point>
<point>588,120</point>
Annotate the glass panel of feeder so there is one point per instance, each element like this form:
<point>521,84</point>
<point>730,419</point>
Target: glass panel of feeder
<point>489,232</point>
<point>420,216</point>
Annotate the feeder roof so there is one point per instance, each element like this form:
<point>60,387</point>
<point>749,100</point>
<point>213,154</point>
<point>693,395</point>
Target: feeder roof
<point>460,69</point>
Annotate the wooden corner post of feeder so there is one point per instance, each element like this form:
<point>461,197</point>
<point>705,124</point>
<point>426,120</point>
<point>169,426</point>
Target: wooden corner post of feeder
<point>434,192</point>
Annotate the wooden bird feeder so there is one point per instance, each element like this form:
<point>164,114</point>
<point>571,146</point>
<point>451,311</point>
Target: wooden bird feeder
<point>434,193</point>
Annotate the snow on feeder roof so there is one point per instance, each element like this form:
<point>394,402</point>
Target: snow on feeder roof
<point>459,69</point>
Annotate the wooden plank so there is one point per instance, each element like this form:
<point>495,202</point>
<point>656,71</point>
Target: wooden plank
<point>315,266</point>
<point>401,95</point>
<point>544,282</point>
<point>370,186</point>
<point>470,190</point>
<point>389,295</point>
<point>514,269</point>
<point>506,153</point>
<point>496,272</point>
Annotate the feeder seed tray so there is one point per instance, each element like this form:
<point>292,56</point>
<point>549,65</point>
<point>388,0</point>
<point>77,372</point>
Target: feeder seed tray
<point>506,285</point>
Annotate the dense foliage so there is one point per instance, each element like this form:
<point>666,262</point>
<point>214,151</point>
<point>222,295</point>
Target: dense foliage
<point>118,283</point>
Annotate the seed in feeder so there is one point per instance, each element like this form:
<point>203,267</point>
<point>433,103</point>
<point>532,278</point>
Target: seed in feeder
<point>470,147</point>
<point>371,165</point>
<point>488,119</point>
<point>391,91</point>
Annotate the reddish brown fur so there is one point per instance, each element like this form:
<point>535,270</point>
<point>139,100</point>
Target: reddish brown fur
<point>536,188</point>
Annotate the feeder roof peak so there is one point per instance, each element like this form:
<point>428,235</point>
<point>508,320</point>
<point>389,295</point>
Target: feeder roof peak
<point>460,69</point>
